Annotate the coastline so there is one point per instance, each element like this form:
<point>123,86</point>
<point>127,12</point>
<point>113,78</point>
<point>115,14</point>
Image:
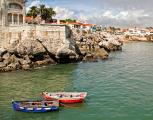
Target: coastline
<point>137,38</point>
<point>79,46</point>
<point>28,53</point>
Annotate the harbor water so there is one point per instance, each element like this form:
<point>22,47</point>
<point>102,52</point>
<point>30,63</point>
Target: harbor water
<point>120,88</point>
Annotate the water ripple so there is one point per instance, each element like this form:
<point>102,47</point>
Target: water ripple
<point>118,88</point>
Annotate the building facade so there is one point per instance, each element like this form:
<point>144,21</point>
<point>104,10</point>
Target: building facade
<point>13,30</point>
<point>12,12</point>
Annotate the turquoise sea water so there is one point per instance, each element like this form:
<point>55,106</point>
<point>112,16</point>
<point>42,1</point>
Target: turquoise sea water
<point>120,88</point>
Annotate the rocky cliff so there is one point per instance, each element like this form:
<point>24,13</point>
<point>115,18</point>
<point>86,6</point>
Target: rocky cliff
<point>96,45</point>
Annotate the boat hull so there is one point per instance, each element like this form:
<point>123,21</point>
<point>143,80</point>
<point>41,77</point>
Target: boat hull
<point>68,100</point>
<point>16,107</point>
<point>71,101</point>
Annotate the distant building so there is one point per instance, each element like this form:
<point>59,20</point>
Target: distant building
<point>86,26</point>
<point>73,24</point>
<point>138,32</point>
<point>31,20</point>
<point>12,12</point>
<point>79,25</point>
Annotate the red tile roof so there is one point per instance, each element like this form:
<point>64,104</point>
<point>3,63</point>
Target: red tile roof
<point>28,18</point>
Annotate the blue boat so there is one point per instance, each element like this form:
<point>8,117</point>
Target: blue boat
<point>35,106</point>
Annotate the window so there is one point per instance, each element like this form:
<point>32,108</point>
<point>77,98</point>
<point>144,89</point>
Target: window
<point>15,18</point>
<point>9,17</point>
<point>20,19</point>
<point>15,6</point>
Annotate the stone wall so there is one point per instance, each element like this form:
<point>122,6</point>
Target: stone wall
<point>57,34</point>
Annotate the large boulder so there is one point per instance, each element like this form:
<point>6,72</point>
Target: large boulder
<point>110,45</point>
<point>26,67</point>
<point>68,52</point>
<point>2,64</point>
<point>101,53</point>
<point>83,50</point>
<point>90,57</point>
<point>6,56</point>
<point>66,55</point>
<point>44,62</point>
<point>1,59</point>
<point>25,63</point>
<point>28,47</point>
<point>95,55</point>
<point>14,66</point>
<point>2,51</point>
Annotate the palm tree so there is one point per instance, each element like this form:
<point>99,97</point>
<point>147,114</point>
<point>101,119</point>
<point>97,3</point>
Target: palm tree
<point>41,9</point>
<point>33,12</point>
<point>51,13</point>
<point>70,20</point>
<point>46,13</point>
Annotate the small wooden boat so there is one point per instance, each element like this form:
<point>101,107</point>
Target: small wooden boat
<point>65,97</point>
<point>35,106</point>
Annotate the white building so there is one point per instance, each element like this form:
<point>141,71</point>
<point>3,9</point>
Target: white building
<point>138,32</point>
<point>12,12</point>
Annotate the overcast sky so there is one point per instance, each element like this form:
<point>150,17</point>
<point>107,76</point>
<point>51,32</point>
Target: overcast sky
<point>120,13</point>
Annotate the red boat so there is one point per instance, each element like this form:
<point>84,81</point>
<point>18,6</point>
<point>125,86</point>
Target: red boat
<point>65,97</point>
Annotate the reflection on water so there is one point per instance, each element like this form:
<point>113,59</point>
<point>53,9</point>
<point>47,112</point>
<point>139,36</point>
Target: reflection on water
<point>22,85</point>
<point>25,84</point>
<point>120,88</point>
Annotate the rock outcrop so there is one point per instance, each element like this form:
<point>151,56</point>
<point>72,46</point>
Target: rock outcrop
<point>27,54</point>
<point>68,53</point>
<point>96,45</point>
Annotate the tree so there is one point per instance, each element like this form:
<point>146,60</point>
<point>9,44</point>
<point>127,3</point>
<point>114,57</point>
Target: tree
<point>41,9</point>
<point>46,13</point>
<point>33,12</point>
<point>70,20</point>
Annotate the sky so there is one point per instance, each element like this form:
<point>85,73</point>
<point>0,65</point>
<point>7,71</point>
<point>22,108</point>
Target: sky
<point>119,13</point>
